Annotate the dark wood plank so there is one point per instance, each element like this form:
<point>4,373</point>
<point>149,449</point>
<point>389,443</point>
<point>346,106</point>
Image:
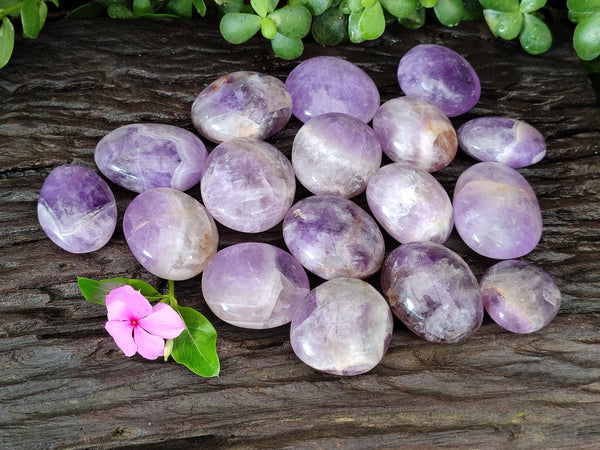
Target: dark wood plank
<point>64,384</point>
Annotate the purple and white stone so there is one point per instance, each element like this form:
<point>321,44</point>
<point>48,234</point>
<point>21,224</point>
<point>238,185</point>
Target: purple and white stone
<point>144,156</point>
<point>326,84</point>
<point>170,233</point>
<point>432,291</point>
<point>496,212</point>
<point>502,139</point>
<point>410,204</point>
<point>441,76</point>
<point>254,285</point>
<point>76,209</point>
<point>248,185</point>
<point>413,131</point>
<point>335,154</point>
<point>242,104</point>
<point>342,327</point>
<point>333,237</point>
<point>519,296</point>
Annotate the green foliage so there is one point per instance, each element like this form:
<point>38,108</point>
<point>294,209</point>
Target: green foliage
<point>330,28</point>
<point>7,40</point>
<point>449,12</point>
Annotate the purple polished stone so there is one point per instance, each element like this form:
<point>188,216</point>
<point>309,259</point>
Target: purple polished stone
<point>414,131</point>
<point>333,237</point>
<point>502,139</point>
<point>519,296</point>
<point>248,185</point>
<point>335,154</point>
<point>242,104</point>
<point>496,211</point>
<point>254,285</point>
<point>432,291</point>
<point>170,233</point>
<point>410,204</point>
<point>76,209</point>
<point>326,84</point>
<point>441,76</point>
<point>342,327</point>
<point>144,156</point>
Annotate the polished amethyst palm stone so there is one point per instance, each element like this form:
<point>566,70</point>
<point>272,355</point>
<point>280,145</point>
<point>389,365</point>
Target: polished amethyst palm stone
<point>76,209</point>
<point>441,76</point>
<point>342,327</point>
<point>242,104</point>
<point>519,296</point>
<point>432,291</point>
<point>144,156</point>
<point>254,285</point>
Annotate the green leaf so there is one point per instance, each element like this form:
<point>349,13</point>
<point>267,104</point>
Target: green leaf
<point>367,3</point>
<point>372,22</point>
<point>196,347</point>
<point>316,7</point>
<point>586,37</point>
<point>428,3</point>
<point>529,6</point>
<point>141,7</point>
<point>415,20</point>
<point>119,11</point>
<point>330,28</point>
<point>268,28</point>
<point>200,7</point>
<point>239,27</point>
<point>7,41</point>
<point>501,5</point>
<point>473,10</point>
<point>96,291</point>
<point>232,6</point>
<point>30,18</point>
<point>180,8</point>
<point>54,2</point>
<point>504,25</point>
<point>292,21</point>
<point>535,37</point>
<point>287,48</point>
<point>400,8</point>
<point>355,5</point>
<point>261,7</point>
<point>86,11</point>
<point>353,27</point>
<point>43,12</point>
<point>449,12</point>
<point>583,6</point>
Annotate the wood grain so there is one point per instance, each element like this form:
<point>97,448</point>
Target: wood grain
<point>63,382</point>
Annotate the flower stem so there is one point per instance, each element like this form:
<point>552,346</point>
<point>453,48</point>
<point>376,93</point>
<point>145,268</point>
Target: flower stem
<point>171,294</point>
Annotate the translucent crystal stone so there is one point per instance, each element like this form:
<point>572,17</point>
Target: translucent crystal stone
<point>144,156</point>
<point>502,139</point>
<point>248,185</point>
<point>331,84</point>
<point>410,204</point>
<point>432,291</point>
<point>76,209</point>
<point>519,296</point>
<point>335,154</point>
<point>242,104</point>
<point>441,76</point>
<point>170,233</point>
<point>414,131</point>
<point>342,327</point>
<point>496,211</point>
<point>333,237</point>
<point>254,285</point>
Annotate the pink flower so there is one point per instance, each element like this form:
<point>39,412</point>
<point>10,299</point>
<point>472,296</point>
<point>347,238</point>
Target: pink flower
<point>136,326</point>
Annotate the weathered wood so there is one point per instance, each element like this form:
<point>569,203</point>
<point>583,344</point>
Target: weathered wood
<point>64,384</point>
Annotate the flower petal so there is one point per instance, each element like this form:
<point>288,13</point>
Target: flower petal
<point>163,321</point>
<point>121,332</point>
<point>148,345</point>
<point>125,303</point>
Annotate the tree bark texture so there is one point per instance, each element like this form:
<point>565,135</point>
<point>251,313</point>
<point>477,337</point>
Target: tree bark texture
<point>64,383</point>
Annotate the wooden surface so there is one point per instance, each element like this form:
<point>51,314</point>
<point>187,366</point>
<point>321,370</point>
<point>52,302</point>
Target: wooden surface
<point>63,382</point>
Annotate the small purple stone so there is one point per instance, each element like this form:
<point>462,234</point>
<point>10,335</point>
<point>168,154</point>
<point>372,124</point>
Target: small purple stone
<point>242,104</point>
<point>333,237</point>
<point>254,285</point>
<point>414,131</point>
<point>519,296</point>
<point>144,156</point>
<point>170,233</point>
<point>248,185</point>
<point>342,327</point>
<point>496,211</point>
<point>335,154</point>
<point>76,209</point>
<point>502,139</point>
<point>326,84</point>
<point>432,291</point>
<point>441,76</point>
<point>410,204</point>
